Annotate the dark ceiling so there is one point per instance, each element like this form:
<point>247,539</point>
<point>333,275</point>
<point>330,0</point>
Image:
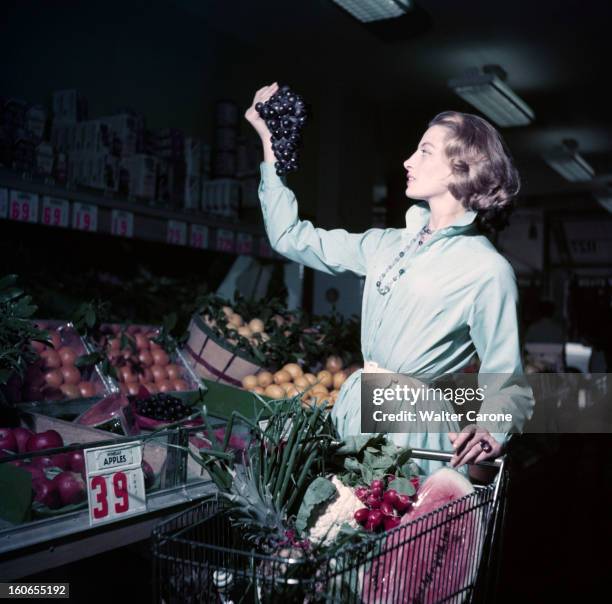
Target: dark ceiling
<point>556,55</point>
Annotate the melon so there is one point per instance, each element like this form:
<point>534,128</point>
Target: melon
<point>428,559</point>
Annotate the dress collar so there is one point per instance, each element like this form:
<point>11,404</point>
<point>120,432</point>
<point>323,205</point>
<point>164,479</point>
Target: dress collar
<point>417,217</point>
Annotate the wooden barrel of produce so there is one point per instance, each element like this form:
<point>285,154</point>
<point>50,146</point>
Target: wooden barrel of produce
<point>214,358</point>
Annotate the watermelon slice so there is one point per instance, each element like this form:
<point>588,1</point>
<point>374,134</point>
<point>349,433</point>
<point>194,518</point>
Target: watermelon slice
<point>112,413</point>
<point>427,559</point>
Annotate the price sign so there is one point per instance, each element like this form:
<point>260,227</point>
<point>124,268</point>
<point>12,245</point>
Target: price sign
<point>55,212</point>
<point>122,223</point>
<point>264,248</point>
<point>176,232</point>
<point>4,203</point>
<point>199,236</point>
<point>115,482</point>
<point>244,243</point>
<point>84,217</point>
<point>23,207</point>
<point>225,240</point>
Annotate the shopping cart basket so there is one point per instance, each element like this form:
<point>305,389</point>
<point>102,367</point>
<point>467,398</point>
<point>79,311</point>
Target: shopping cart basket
<point>448,555</point>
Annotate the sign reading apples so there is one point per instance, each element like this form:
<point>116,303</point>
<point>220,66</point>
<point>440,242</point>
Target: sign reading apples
<point>115,482</point>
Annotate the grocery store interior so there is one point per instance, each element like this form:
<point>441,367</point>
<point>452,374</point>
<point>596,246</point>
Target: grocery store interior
<point>132,235</point>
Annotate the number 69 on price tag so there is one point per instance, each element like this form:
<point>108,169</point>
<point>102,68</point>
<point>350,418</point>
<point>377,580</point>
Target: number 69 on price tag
<point>115,482</point>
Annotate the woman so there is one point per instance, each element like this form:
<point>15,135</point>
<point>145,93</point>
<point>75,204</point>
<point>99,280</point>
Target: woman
<point>436,291</point>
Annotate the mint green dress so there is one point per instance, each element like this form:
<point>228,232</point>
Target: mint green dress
<point>458,296</point>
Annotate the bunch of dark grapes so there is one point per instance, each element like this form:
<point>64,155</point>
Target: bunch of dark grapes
<point>162,407</point>
<point>285,115</point>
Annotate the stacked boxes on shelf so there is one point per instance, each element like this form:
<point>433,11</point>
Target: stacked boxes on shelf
<point>93,159</point>
<point>128,128</point>
<point>6,144</point>
<point>95,170</point>
<point>221,195</point>
<point>248,158</point>
<point>35,122</point>
<point>69,107</point>
<point>139,176</point>
<point>225,140</point>
<point>168,146</point>
<point>62,135</point>
<point>18,144</point>
<point>197,171</point>
<point>44,159</point>
<point>135,179</point>
<point>116,153</point>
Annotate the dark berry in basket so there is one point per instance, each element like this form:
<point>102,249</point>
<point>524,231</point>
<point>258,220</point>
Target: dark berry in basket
<point>162,407</point>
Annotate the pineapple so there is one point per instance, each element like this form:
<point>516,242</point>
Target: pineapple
<point>266,488</point>
<point>253,510</point>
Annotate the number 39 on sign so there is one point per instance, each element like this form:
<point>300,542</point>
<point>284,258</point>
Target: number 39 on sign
<point>115,482</point>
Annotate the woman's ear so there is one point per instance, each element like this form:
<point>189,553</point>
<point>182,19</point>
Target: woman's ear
<point>449,179</point>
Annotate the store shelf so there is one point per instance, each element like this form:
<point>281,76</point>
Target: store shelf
<point>55,206</point>
<point>49,543</point>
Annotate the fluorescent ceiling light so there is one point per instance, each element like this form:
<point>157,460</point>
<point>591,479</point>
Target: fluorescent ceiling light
<point>487,91</point>
<point>566,160</point>
<point>605,200</point>
<point>375,10</point>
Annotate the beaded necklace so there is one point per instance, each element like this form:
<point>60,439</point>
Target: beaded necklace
<point>384,289</point>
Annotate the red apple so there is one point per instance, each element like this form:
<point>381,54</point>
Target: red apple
<point>21,436</point>
<point>44,440</point>
<point>7,440</point>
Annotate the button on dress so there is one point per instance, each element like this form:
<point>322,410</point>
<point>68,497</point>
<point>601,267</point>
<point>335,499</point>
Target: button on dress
<point>457,296</point>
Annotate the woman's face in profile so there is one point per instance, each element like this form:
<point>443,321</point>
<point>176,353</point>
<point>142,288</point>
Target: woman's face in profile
<point>428,170</point>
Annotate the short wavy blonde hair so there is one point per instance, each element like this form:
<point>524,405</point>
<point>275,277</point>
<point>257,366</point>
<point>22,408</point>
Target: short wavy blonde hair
<point>485,178</point>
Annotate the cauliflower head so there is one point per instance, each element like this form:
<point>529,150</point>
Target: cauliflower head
<point>339,511</point>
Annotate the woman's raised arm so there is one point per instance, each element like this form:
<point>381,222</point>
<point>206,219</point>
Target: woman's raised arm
<point>332,251</point>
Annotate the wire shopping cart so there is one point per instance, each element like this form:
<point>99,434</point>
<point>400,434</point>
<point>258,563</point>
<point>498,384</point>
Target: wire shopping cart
<point>448,555</point>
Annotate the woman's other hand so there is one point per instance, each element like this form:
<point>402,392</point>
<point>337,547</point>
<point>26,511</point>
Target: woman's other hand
<point>253,117</point>
<point>472,445</point>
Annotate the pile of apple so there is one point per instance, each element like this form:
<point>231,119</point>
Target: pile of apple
<point>54,375</point>
<point>67,484</point>
<point>144,362</point>
<point>384,506</point>
<point>291,381</point>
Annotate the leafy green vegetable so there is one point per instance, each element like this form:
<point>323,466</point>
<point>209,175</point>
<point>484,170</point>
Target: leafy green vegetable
<point>16,489</point>
<point>16,331</point>
<point>353,445</point>
<point>89,360</point>
<point>402,485</point>
<point>88,316</point>
<point>168,337</point>
<point>364,458</point>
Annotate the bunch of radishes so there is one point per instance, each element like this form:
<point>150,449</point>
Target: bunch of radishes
<point>384,505</point>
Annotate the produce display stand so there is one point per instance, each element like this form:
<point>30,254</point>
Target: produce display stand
<point>50,542</point>
<point>46,543</point>
<point>199,557</point>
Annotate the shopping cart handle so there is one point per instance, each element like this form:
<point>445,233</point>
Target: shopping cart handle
<point>446,456</point>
